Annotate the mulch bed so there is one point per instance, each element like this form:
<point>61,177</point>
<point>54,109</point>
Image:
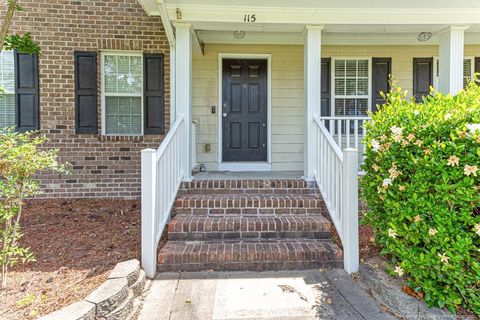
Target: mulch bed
<point>76,244</point>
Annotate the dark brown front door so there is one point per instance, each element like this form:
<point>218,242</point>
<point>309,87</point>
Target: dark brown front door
<point>244,110</point>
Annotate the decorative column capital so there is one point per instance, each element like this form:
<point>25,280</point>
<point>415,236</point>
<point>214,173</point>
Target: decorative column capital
<point>310,27</point>
<point>182,25</point>
<point>452,28</point>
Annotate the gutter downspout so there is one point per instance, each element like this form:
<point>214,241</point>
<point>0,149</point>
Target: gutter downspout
<point>170,33</point>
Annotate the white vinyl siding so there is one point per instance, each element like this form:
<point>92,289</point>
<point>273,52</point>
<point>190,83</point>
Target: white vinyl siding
<point>122,83</point>
<point>468,71</point>
<point>350,86</point>
<point>7,83</point>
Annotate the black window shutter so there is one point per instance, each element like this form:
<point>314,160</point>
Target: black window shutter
<point>381,71</point>
<point>27,113</point>
<point>154,99</point>
<point>422,77</point>
<point>85,92</point>
<point>326,94</point>
<point>477,67</point>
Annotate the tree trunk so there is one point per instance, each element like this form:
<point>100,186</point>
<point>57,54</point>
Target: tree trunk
<point>6,23</point>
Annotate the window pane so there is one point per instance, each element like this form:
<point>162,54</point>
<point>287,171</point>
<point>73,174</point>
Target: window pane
<point>351,87</point>
<point>123,115</point>
<point>339,68</point>
<point>362,107</point>
<point>123,74</point>
<point>351,68</point>
<point>339,107</point>
<point>7,72</point>
<point>363,68</point>
<point>350,107</point>
<point>7,110</point>
<point>362,87</point>
<point>340,86</point>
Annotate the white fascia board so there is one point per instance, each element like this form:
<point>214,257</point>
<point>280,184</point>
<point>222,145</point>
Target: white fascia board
<point>150,7</point>
<point>284,15</point>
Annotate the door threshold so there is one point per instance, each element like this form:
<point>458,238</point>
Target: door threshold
<point>245,166</point>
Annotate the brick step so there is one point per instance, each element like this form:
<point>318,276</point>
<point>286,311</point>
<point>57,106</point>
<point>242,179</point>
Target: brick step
<point>261,255</point>
<point>192,227</point>
<point>264,186</point>
<point>221,204</point>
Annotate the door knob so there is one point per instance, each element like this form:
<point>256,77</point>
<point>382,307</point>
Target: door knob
<point>224,114</point>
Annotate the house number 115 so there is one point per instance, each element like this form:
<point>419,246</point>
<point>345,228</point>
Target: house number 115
<point>249,18</point>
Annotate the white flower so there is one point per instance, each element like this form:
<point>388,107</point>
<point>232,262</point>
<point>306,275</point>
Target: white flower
<point>396,130</point>
<point>398,270</point>
<point>453,161</point>
<point>448,116</point>
<point>392,233</point>
<point>470,170</point>
<point>443,258</point>
<point>416,112</point>
<point>387,182</point>
<point>375,145</point>
<point>477,228</point>
<point>473,127</point>
<point>417,218</point>
<point>432,231</point>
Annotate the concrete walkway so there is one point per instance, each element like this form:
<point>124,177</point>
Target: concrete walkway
<point>289,295</point>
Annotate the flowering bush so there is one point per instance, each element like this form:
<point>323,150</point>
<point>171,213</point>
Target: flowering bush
<point>422,183</point>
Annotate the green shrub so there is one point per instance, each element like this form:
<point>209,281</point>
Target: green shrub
<point>421,184</point>
<point>20,159</point>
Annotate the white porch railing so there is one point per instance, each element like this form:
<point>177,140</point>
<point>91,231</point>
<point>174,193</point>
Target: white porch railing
<point>161,178</point>
<point>348,132</point>
<point>336,174</point>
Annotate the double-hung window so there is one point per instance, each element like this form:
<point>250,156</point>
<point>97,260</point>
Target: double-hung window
<point>351,86</point>
<point>7,93</point>
<point>122,94</point>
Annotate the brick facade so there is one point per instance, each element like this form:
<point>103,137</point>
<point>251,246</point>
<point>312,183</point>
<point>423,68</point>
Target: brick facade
<point>103,167</point>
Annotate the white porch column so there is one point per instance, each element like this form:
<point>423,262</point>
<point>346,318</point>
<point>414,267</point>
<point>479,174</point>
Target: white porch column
<point>313,95</point>
<point>183,89</point>
<point>451,48</point>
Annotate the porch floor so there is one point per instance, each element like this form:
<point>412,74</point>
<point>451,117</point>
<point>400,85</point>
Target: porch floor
<point>247,175</point>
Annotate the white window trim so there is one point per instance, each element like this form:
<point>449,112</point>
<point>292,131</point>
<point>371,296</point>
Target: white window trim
<point>103,114</point>
<point>332,82</point>
<point>436,78</point>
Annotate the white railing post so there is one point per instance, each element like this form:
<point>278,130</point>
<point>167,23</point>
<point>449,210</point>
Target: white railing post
<point>350,210</point>
<point>149,243</point>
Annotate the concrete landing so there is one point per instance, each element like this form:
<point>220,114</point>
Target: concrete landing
<point>285,295</point>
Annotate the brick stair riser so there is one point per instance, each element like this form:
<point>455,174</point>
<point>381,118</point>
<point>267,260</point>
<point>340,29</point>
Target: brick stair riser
<point>248,211</point>
<point>248,184</point>
<point>276,191</point>
<point>248,202</point>
<point>183,227</point>
<point>261,255</point>
<point>204,236</point>
<point>250,266</point>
